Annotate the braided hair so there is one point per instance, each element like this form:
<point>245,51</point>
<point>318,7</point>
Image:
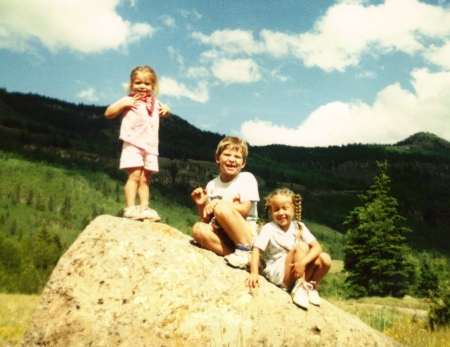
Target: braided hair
<point>296,202</point>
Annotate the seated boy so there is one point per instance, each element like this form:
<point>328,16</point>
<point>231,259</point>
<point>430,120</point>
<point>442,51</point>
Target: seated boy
<point>228,206</point>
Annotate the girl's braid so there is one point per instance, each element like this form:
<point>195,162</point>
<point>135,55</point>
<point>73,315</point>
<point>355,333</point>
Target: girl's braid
<point>297,201</point>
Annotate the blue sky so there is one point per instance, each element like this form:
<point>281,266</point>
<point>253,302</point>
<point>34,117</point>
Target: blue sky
<point>296,72</point>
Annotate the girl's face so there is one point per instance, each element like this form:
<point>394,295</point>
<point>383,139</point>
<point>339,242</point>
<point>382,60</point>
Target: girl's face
<point>282,211</point>
<point>142,84</point>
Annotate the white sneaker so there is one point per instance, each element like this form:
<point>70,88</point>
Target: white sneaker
<point>240,258</point>
<point>150,214</point>
<point>300,294</point>
<point>313,294</point>
<point>133,212</point>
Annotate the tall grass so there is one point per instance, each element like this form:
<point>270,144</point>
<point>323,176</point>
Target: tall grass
<point>15,314</point>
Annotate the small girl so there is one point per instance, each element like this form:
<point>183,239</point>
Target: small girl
<point>139,133</point>
<point>294,257</point>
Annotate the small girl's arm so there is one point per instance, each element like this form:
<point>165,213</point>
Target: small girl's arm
<point>164,110</point>
<point>252,280</point>
<point>115,109</point>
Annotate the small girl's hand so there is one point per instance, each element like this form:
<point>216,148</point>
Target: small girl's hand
<point>298,269</point>
<point>252,281</point>
<point>164,111</point>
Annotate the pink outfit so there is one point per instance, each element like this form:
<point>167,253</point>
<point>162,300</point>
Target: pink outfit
<point>140,125</point>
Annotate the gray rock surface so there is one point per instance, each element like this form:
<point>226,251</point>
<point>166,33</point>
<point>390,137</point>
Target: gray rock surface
<point>129,283</point>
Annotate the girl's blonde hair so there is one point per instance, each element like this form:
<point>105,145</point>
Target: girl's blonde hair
<point>148,71</point>
<point>296,200</point>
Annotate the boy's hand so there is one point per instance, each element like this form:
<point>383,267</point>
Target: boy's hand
<point>164,111</point>
<point>252,281</point>
<point>199,195</point>
<point>298,269</point>
<point>209,208</point>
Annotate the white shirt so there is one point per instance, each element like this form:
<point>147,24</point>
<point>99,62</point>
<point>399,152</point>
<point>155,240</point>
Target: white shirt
<point>243,187</point>
<point>277,243</point>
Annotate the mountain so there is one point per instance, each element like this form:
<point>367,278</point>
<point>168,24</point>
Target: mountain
<point>329,179</point>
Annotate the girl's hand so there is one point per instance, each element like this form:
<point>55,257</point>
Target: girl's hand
<point>252,281</point>
<point>298,269</point>
<point>164,111</point>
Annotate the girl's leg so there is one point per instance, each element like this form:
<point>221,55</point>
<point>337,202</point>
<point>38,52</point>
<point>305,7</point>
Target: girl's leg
<point>319,268</point>
<point>143,190</point>
<point>296,254</point>
<point>131,187</point>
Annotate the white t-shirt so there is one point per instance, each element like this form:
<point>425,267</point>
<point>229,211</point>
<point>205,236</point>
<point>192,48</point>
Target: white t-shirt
<point>277,243</point>
<point>243,187</point>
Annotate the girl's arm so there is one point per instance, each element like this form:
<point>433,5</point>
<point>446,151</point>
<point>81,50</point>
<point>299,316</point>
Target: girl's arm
<point>164,110</point>
<point>314,251</point>
<point>117,108</point>
<point>252,280</point>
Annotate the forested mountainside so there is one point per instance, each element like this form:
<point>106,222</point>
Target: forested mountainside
<point>77,135</point>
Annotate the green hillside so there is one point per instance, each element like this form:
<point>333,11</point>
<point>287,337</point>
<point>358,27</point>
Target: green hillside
<point>59,170</point>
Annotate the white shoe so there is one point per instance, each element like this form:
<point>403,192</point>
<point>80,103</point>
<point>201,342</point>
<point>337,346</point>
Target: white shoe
<point>240,258</point>
<point>150,214</point>
<point>313,294</point>
<point>133,212</point>
<point>300,294</point>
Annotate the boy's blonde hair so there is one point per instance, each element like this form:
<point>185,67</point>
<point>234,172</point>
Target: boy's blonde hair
<point>148,71</point>
<point>296,202</point>
<point>234,143</point>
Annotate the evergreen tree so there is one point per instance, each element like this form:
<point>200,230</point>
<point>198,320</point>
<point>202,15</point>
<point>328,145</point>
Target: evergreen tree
<point>376,252</point>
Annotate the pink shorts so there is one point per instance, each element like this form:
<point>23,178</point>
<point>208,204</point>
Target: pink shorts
<point>136,157</point>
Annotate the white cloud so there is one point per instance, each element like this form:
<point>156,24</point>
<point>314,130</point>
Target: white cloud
<point>190,14</point>
<point>395,115</point>
<point>236,71</point>
<point>89,94</point>
<point>168,21</point>
<point>78,25</point>
<point>170,87</point>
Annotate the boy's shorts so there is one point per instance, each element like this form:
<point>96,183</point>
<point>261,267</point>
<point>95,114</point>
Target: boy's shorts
<point>136,157</point>
<point>275,271</point>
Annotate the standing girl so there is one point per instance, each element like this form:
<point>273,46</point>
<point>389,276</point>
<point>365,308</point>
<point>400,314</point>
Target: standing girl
<point>139,133</point>
<point>294,257</point>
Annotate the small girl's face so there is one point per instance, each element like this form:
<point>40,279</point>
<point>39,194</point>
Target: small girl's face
<point>282,210</point>
<point>142,84</point>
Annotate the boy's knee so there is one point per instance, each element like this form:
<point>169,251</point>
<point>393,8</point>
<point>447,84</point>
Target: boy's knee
<point>221,210</point>
<point>197,231</point>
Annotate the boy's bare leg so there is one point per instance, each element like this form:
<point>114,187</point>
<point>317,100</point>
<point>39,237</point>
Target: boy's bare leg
<point>233,224</point>
<point>131,187</point>
<point>317,270</point>
<point>212,239</point>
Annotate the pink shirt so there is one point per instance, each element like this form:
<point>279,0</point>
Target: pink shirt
<point>140,128</point>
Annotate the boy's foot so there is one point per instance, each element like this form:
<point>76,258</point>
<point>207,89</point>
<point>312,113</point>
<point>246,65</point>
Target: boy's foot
<point>150,214</point>
<point>300,294</point>
<point>133,212</point>
<point>240,258</point>
<point>313,294</point>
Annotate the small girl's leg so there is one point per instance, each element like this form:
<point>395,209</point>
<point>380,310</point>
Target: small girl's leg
<point>319,268</point>
<point>131,187</point>
<point>143,190</point>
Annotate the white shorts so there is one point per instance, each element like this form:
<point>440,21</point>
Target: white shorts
<point>275,272</point>
<point>136,157</point>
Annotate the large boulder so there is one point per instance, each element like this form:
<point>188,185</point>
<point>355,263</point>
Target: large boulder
<point>130,283</point>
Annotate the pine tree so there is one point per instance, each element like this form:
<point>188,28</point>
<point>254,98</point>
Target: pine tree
<point>376,252</point>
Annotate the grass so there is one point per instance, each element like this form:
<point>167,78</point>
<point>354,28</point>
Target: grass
<point>15,314</point>
<point>402,319</point>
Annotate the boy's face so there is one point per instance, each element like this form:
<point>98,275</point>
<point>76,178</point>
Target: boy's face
<point>231,162</point>
<point>142,85</point>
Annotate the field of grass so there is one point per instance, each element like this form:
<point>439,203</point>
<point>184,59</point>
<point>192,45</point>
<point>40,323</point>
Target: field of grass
<point>402,319</point>
<point>15,314</point>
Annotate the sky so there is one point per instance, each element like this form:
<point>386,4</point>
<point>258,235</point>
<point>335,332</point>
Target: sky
<point>294,72</point>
